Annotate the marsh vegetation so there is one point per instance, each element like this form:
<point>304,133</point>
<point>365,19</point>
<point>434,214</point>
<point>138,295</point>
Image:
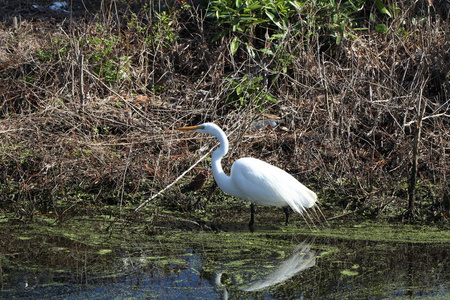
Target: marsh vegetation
<point>358,93</point>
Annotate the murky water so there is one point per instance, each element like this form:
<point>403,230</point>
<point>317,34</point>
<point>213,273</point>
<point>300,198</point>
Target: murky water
<point>220,266</point>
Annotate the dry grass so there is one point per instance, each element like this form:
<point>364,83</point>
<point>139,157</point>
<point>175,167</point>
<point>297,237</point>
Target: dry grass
<point>88,106</point>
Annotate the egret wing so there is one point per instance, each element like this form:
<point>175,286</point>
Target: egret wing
<point>268,185</point>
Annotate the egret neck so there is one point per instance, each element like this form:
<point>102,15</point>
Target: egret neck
<point>223,181</point>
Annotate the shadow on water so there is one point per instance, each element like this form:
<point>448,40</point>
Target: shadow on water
<point>272,264</point>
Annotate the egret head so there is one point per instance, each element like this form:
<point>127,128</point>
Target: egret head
<point>213,129</point>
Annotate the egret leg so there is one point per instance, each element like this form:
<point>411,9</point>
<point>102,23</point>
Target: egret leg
<point>252,216</point>
<point>286,212</point>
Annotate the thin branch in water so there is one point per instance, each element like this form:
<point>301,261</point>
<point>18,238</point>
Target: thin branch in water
<point>124,176</point>
<point>176,180</point>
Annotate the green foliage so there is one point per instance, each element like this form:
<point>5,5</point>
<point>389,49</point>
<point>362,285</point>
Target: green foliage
<point>389,12</point>
<point>103,59</point>
<point>163,32</point>
<point>381,28</point>
<point>244,16</point>
<point>249,90</point>
<point>264,29</point>
<point>382,8</point>
<point>21,153</point>
<point>257,18</point>
<point>135,23</point>
<point>44,55</point>
<point>53,52</point>
<point>338,19</point>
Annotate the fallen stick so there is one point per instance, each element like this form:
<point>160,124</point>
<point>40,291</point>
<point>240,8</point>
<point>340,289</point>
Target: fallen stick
<point>176,180</point>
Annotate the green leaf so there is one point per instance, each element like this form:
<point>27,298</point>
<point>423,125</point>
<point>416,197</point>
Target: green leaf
<point>251,7</point>
<point>382,8</point>
<point>273,19</point>
<point>271,98</point>
<point>255,80</point>
<point>277,36</point>
<point>297,5</point>
<point>234,45</point>
<point>251,50</point>
<point>347,34</point>
<point>342,27</point>
<point>239,89</point>
<point>381,28</point>
<point>267,51</point>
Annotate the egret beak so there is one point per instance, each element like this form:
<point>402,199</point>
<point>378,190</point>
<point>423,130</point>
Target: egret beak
<point>189,128</point>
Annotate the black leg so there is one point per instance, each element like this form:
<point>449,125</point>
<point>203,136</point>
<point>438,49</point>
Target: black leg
<point>286,212</point>
<point>252,216</point>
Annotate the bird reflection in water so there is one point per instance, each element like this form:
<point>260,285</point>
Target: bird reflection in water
<point>301,259</point>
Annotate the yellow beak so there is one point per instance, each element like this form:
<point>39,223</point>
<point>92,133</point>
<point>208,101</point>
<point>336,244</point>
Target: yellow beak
<point>188,128</point>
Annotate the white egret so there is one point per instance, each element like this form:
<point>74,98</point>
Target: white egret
<point>256,181</point>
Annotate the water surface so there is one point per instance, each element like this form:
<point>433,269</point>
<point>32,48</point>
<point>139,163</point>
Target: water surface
<point>272,264</point>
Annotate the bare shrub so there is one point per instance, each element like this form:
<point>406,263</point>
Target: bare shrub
<point>87,107</point>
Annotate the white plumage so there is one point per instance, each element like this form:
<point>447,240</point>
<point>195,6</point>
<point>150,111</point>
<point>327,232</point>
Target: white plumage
<point>256,181</point>
<point>264,184</point>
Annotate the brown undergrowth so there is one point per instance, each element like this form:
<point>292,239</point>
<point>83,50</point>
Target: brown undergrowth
<point>88,105</point>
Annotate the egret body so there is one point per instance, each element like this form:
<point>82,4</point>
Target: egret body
<point>256,181</point>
